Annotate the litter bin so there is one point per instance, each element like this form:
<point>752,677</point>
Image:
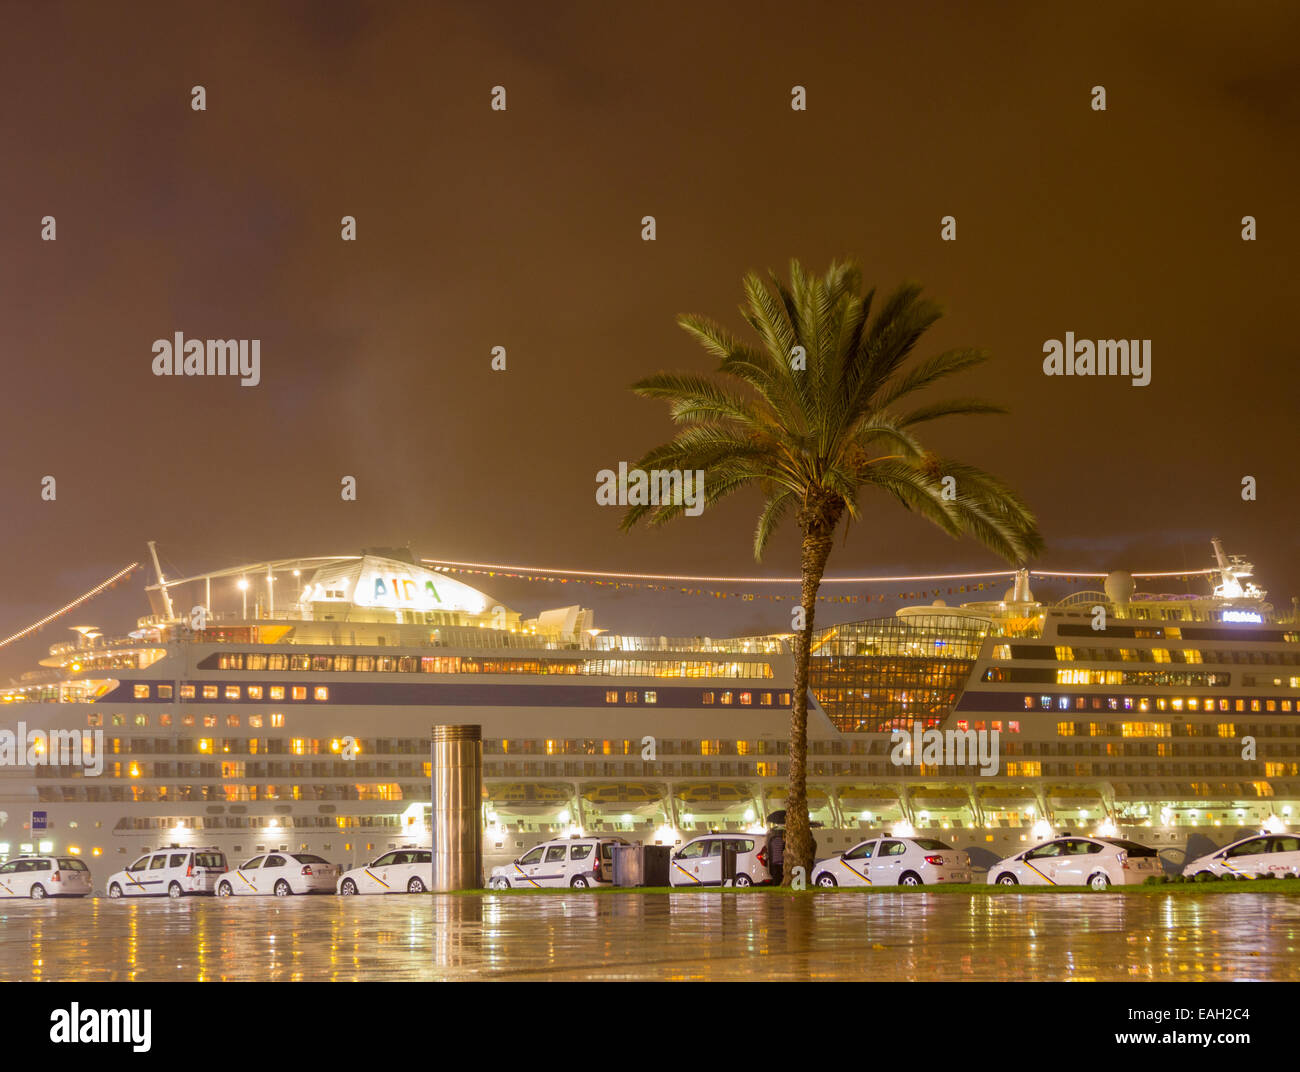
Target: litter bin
<point>655,860</point>
<point>628,865</point>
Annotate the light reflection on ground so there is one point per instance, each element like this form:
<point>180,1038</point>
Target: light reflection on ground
<point>701,936</point>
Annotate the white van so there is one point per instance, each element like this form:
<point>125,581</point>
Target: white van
<point>699,861</point>
<point>171,872</point>
<point>44,876</point>
<point>577,862</point>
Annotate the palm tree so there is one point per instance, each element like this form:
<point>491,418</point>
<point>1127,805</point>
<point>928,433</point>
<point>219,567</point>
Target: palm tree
<point>814,416</point>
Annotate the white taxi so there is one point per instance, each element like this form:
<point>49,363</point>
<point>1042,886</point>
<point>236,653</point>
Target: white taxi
<point>173,872</point>
<point>399,871</point>
<point>1259,856</point>
<point>699,861</point>
<point>1097,862</point>
<point>575,862</point>
<point>44,876</point>
<point>280,873</point>
<point>894,861</point>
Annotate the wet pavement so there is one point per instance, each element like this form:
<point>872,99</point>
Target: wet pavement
<point>700,936</point>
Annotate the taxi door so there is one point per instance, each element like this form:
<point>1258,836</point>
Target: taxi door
<point>887,864</point>
<point>247,878</point>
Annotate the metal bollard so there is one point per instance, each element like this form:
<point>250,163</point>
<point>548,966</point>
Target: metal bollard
<point>457,806</point>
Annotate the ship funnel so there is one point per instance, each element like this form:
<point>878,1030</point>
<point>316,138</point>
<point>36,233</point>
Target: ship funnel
<point>1020,592</point>
<point>1119,587</point>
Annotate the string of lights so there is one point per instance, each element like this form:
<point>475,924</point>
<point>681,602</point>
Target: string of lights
<point>687,578</point>
<point>119,575</point>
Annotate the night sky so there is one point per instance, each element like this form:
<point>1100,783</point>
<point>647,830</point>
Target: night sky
<point>522,229</point>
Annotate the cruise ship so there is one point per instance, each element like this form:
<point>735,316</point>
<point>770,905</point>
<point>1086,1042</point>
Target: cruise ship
<point>288,705</point>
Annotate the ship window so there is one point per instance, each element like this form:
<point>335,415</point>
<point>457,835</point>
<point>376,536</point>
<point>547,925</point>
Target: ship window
<point>322,692</point>
<point>765,699</point>
<point>187,692</point>
<point>164,692</point>
<point>142,692</point>
<point>630,696</point>
<point>232,720</point>
<point>651,696</point>
<point>746,699</point>
<point>209,692</point>
<point>277,662</point>
<point>255,721</point>
<point>187,720</point>
<point>342,663</point>
<point>254,692</point>
<point>277,692</point>
<point>1029,702</point>
<point>726,697</point>
<point>611,695</point>
<point>94,720</point>
<point>277,720</point>
<point>256,662</point>
<point>1045,702</point>
<point>707,698</point>
<point>365,663</point>
<point>785,699</point>
<point>232,692</point>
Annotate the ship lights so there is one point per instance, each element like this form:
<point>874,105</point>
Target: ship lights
<point>903,828</point>
<point>1274,825</point>
<point>1042,829</point>
<point>665,835</point>
<point>1107,828</point>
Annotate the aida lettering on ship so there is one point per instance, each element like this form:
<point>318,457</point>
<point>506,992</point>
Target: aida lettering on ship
<point>250,712</point>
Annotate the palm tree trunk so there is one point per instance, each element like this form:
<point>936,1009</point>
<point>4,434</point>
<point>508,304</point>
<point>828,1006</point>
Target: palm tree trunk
<point>817,522</point>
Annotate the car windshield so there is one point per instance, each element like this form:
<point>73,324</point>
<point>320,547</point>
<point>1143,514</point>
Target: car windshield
<point>1130,847</point>
<point>930,845</point>
<point>70,864</point>
<point>308,858</point>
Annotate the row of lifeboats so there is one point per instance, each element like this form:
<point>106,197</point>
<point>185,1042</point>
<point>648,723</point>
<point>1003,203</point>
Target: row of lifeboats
<point>635,798</point>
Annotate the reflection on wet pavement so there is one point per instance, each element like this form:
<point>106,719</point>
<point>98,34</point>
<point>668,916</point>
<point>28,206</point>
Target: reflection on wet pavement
<point>656,936</point>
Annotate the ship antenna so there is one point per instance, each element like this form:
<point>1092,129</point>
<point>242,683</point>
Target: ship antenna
<point>162,585</point>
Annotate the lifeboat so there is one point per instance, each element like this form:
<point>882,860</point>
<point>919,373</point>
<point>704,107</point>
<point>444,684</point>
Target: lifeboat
<point>527,798</point>
<point>709,797</point>
<point>632,798</point>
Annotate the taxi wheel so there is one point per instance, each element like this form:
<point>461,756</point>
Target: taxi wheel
<point>115,891</point>
<point>579,882</point>
<point>282,889</point>
<point>175,892</point>
<point>349,888</point>
<point>911,879</point>
<point>38,892</point>
<point>826,880</point>
<point>224,890</point>
<point>1008,879</point>
<point>743,879</point>
<point>415,886</point>
<point>1099,881</point>
<point>501,883</point>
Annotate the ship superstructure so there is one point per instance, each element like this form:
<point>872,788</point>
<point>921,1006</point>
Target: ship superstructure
<point>288,704</point>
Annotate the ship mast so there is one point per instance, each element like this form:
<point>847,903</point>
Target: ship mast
<point>162,585</point>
